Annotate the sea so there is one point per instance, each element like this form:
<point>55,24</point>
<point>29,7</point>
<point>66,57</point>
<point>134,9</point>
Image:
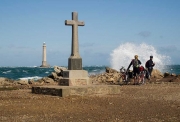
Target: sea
<point>25,73</point>
<point>119,57</point>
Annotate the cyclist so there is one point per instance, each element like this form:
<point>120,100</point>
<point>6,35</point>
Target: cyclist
<point>149,65</point>
<point>136,64</point>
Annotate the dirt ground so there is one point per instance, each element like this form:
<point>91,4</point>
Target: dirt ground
<point>146,103</point>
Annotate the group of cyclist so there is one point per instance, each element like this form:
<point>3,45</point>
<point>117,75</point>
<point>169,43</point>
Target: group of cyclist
<point>137,68</point>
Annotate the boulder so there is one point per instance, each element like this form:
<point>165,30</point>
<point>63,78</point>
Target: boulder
<point>109,77</point>
<point>156,74</point>
<point>59,70</point>
<point>6,81</point>
<point>48,80</point>
<point>110,80</point>
<point>2,79</point>
<point>54,75</point>
<point>166,74</point>
<point>31,81</point>
<point>110,70</point>
<point>23,82</point>
<point>173,74</point>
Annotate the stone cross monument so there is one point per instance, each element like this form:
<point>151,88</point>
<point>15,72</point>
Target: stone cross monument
<point>44,62</point>
<point>74,76</point>
<point>74,61</point>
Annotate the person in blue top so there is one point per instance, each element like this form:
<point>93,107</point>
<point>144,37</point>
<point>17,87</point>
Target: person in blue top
<point>149,65</point>
<point>136,64</point>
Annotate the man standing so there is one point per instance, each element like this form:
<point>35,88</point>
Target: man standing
<point>149,65</point>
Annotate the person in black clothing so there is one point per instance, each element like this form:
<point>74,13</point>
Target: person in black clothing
<point>136,63</point>
<point>149,65</point>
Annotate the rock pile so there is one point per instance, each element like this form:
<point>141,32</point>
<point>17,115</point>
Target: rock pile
<point>58,74</point>
<point>156,74</point>
<point>111,76</point>
<point>171,77</point>
<point>21,84</point>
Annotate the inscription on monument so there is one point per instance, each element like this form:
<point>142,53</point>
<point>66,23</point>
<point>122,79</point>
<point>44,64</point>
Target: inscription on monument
<point>75,64</point>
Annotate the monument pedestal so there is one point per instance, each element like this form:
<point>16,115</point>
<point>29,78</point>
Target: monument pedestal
<point>75,64</point>
<point>74,78</point>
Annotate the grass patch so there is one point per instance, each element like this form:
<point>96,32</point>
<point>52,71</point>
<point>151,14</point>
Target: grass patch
<point>8,88</point>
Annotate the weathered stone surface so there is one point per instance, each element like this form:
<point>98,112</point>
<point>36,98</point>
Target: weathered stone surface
<point>23,82</point>
<point>54,75</point>
<point>48,80</point>
<point>58,74</point>
<point>64,91</point>
<point>156,74</point>
<point>74,81</point>
<point>109,77</point>
<point>31,81</point>
<point>110,70</point>
<point>166,74</point>
<point>74,78</point>
<point>58,70</point>
<point>173,74</point>
<point>74,61</point>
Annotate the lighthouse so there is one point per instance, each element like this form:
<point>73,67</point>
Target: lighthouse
<point>44,62</point>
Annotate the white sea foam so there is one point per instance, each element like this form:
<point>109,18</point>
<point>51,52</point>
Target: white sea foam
<point>29,78</point>
<point>6,72</point>
<point>25,71</point>
<point>122,55</point>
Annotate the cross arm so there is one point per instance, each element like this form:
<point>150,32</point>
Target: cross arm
<point>81,23</point>
<point>69,22</point>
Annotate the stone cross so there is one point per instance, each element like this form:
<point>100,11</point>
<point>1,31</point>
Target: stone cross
<point>75,61</point>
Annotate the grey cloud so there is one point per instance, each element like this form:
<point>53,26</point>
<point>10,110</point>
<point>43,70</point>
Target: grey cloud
<point>168,49</point>
<point>144,33</point>
<point>161,37</point>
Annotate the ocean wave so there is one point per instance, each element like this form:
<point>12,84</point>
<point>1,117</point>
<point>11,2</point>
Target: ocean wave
<point>25,71</point>
<point>30,78</point>
<point>6,72</point>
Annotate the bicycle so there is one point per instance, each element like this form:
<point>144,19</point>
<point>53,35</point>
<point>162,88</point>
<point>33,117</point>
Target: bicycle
<point>140,78</point>
<point>125,76</point>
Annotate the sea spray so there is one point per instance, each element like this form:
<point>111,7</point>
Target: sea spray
<point>122,55</point>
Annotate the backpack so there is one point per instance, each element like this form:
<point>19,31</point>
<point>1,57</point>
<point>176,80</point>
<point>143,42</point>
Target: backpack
<point>135,63</point>
<point>141,68</point>
<point>147,64</point>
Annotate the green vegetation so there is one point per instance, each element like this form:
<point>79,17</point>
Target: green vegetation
<point>8,88</point>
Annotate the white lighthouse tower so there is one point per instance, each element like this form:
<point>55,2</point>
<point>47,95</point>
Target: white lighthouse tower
<point>44,62</point>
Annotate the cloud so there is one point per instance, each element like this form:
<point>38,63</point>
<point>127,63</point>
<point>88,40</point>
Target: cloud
<point>168,49</point>
<point>144,33</point>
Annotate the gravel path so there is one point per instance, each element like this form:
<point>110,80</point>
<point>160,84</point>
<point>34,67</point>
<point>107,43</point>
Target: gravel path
<point>145,103</point>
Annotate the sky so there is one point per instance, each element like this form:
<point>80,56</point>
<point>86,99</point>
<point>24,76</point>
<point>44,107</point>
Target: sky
<point>26,24</point>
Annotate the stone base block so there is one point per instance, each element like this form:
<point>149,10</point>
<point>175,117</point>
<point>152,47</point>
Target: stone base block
<point>64,91</point>
<point>74,78</point>
<point>74,82</point>
<point>75,74</point>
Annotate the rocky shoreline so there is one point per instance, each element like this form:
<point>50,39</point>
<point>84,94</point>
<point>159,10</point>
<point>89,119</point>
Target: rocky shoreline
<point>110,76</point>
